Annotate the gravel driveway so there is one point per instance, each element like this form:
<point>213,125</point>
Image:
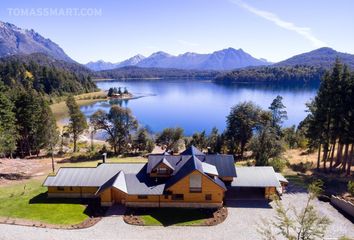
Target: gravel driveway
<point>244,216</point>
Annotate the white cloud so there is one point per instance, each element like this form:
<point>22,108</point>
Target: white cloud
<point>303,31</point>
<point>187,43</point>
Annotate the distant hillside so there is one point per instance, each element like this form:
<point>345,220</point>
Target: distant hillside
<point>306,67</point>
<point>138,72</point>
<point>280,74</point>
<point>45,74</point>
<point>321,58</point>
<point>14,40</point>
<point>43,59</point>
<point>226,59</point>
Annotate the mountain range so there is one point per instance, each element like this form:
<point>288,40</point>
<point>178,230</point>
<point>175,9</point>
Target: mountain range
<point>14,40</point>
<point>225,59</point>
<point>20,42</point>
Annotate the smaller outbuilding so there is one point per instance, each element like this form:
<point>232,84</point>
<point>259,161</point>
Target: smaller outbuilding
<point>254,182</point>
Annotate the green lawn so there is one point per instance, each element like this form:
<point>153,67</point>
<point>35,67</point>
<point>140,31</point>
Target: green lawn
<point>174,216</point>
<point>29,201</point>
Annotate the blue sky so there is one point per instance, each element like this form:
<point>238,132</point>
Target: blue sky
<point>271,29</point>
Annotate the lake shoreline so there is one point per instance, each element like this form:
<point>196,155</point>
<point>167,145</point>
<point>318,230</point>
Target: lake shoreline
<point>60,110</point>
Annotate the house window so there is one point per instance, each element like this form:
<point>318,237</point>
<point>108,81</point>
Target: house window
<point>71,188</point>
<point>142,196</point>
<point>195,183</point>
<point>177,196</point>
<point>60,188</point>
<point>162,171</point>
<point>208,197</point>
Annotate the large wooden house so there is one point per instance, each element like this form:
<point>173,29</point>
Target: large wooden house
<point>191,179</point>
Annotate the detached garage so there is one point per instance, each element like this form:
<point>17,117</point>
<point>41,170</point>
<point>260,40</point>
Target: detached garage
<point>253,182</point>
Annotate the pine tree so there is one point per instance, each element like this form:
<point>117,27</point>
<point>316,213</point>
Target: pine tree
<point>279,114</point>
<point>77,120</point>
<point>28,114</point>
<point>330,120</point>
<point>8,129</point>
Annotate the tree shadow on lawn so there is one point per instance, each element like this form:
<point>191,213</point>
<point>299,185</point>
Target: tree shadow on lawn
<point>93,206</point>
<point>172,216</point>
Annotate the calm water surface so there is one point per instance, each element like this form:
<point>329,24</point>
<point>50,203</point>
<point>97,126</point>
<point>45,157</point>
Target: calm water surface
<point>200,105</point>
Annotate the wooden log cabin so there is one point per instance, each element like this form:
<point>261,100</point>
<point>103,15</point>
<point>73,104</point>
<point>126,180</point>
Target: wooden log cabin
<point>192,179</point>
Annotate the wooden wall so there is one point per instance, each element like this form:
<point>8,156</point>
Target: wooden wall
<point>269,192</point>
<point>72,192</point>
<point>181,187</point>
<point>208,187</point>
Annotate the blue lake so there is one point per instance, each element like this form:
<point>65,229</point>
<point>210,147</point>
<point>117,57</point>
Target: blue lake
<point>200,105</point>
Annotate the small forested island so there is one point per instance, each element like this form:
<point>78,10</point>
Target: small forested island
<point>118,93</point>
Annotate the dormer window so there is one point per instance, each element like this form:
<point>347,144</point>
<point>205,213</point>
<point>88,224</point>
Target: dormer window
<point>162,171</point>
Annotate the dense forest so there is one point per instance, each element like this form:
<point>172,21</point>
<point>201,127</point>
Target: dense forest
<point>284,74</point>
<point>45,76</point>
<point>43,59</point>
<point>27,124</point>
<point>137,72</point>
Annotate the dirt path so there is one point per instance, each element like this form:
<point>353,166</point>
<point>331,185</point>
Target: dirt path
<point>17,170</point>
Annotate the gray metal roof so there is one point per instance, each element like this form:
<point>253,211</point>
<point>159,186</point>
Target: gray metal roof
<point>89,177</point>
<point>141,183</point>
<point>255,177</point>
<point>209,169</point>
<point>224,163</point>
<point>117,181</point>
<point>281,178</point>
<point>133,178</point>
<point>192,151</point>
<point>164,161</point>
<point>108,184</point>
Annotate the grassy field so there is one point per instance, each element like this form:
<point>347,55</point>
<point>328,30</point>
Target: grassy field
<point>60,111</point>
<point>28,201</point>
<point>94,163</point>
<point>173,216</point>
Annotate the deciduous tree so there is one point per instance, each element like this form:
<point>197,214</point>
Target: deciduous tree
<point>241,122</point>
<point>169,137</point>
<point>118,124</point>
